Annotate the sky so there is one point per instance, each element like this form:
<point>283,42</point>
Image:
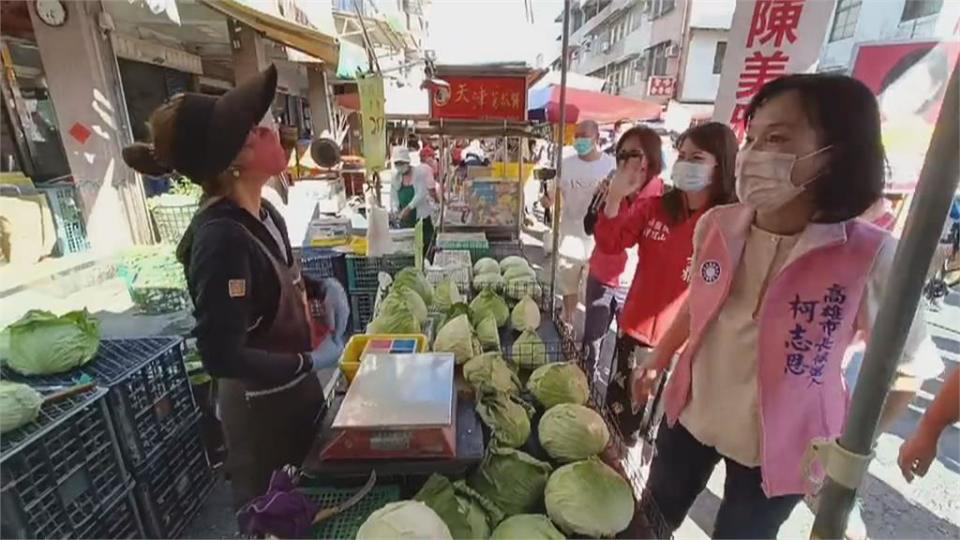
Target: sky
<point>469,31</point>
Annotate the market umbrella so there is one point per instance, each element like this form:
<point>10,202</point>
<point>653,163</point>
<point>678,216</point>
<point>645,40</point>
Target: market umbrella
<point>598,106</point>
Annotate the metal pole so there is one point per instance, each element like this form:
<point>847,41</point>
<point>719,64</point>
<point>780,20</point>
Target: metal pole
<point>935,190</point>
<point>521,143</point>
<point>555,226</point>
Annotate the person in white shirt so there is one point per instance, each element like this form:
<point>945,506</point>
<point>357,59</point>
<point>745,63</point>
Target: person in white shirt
<point>580,175</point>
<point>412,192</point>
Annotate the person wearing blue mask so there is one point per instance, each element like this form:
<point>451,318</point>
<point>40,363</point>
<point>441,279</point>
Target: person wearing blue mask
<point>580,176</point>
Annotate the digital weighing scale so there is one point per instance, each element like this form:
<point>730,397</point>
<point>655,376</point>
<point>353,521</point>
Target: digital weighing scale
<point>398,406</point>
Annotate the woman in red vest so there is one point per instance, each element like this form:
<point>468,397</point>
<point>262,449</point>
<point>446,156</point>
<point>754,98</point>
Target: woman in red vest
<point>781,285</point>
<point>662,229</point>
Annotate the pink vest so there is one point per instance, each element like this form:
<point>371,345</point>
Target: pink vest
<point>806,321</point>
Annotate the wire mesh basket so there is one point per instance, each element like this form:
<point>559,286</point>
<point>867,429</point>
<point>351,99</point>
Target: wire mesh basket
<point>501,250</point>
<point>67,218</point>
<point>172,221</point>
<point>363,272</point>
<point>346,524</point>
<point>60,472</point>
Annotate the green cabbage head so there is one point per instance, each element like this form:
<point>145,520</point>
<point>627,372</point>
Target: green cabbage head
<point>446,294</point>
<point>590,499</point>
<point>525,315</point>
<point>512,479</point>
<point>456,336</point>
<point>489,372</point>
<point>489,303</point>
<point>519,270</point>
<point>412,520</point>
<point>413,301</point>
<point>520,286</point>
<point>570,432</point>
<point>486,265</point>
<point>19,405</point>
<point>512,260</point>
<point>493,281</point>
<point>395,319</point>
<point>506,417</point>
<point>414,279</point>
<point>463,514</point>
<point>41,343</point>
<point>529,350</point>
<point>488,334</point>
<point>559,382</point>
<point>527,527</point>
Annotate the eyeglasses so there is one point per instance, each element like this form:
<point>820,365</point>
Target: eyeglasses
<point>625,155</point>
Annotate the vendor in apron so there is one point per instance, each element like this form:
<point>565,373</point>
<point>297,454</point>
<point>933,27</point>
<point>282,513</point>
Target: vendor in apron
<point>412,192</point>
<point>253,321</point>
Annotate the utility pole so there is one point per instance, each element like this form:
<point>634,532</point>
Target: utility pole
<point>555,226</point>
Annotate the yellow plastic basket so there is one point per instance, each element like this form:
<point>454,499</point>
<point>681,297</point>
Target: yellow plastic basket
<point>350,359</point>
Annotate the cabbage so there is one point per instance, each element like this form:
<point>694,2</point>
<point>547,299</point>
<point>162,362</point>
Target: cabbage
<point>456,336</point>
<point>559,382</point>
<point>413,301</point>
<point>488,334</point>
<point>489,303</point>
<point>589,498</point>
<point>506,417</point>
<point>412,278</point>
<point>41,343</point>
<point>512,479</point>
<point>446,295</point>
<point>519,271</point>
<point>459,308</point>
<point>527,527</point>
<point>570,432</point>
<point>489,372</point>
<point>528,351</point>
<point>525,315</point>
<point>404,519</point>
<point>520,286</point>
<point>512,260</point>
<point>397,319</point>
<point>486,265</point>
<point>19,405</point>
<point>463,515</point>
<point>483,282</point>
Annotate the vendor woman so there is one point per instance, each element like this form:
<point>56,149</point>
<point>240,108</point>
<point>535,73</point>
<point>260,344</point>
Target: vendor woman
<point>412,193</point>
<point>253,322</point>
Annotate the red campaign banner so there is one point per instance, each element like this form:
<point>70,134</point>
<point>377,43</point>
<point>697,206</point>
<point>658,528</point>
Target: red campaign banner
<point>481,98</point>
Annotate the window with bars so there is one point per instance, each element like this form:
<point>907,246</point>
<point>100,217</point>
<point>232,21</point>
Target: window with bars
<point>718,55</point>
<point>915,9</point>
<point>845,19</point>
<point>659,8</point>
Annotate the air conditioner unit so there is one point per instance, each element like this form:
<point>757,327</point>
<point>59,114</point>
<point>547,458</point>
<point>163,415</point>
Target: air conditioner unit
<point>605,47</point>
<point>673,50</point>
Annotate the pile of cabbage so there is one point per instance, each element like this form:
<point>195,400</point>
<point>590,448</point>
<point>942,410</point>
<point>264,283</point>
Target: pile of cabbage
<point>405,308</point>
<point>513,276</point>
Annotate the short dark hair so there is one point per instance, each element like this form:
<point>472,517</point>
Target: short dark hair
<point>649,143</point>
<point>847,114</point>
<point>719,141</point>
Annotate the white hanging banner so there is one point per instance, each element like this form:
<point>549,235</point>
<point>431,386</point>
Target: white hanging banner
<point>768,39</point>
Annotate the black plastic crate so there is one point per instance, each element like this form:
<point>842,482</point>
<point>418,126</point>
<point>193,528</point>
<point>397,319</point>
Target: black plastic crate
<point>120,519</point>
<point>172,486</point>
<point>150,397</point>
<point>502,250</point>
<point>362,272</point>
<point>59,472</point>
<point>361,309</point>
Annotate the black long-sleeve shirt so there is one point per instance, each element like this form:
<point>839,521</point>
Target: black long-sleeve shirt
<point>216,252</point>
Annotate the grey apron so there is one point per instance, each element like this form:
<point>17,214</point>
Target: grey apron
<point>267,428</point>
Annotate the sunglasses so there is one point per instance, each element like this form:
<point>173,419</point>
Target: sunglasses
<point>625,155</point>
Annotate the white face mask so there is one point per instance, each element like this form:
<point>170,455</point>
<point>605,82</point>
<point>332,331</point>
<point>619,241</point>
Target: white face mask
<point>690,176</point>
<point>765,179</point>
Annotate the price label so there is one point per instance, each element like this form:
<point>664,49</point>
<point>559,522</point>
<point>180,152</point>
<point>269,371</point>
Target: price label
<point>374,122</point>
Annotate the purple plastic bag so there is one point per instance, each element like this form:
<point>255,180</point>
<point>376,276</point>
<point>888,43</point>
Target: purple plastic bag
<point>282,511</point>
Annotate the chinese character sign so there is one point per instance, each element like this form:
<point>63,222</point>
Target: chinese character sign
<point>768,39</point>
<point>373,122</point>
<point>481,98</point>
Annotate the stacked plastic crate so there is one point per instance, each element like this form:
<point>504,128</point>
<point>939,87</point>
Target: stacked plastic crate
<point>156,421</point>
<point>63,477</point>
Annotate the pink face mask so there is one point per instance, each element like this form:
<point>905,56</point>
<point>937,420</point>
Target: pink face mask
<point>268,156</point>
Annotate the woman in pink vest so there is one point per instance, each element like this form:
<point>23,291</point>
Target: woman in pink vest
<point>661,228</point>
<point>611,272</point>
<point>781,285</point>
